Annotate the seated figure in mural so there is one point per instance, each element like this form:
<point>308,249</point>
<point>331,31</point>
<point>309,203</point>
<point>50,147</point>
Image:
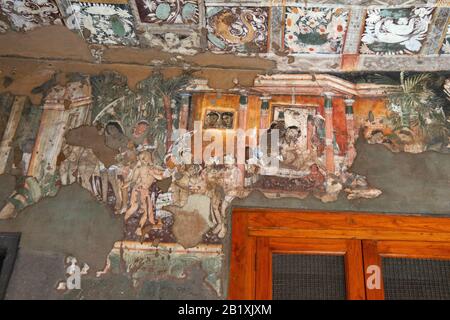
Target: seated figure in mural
<point>142,178</point>
<point>315,180</point>
<point>189,179</point>
<point>293,155</point>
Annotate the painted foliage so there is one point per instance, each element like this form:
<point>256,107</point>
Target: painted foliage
<point>168,12</point>
<point>417,118</point>
<point>25,15</point>
<point>115,142</point>
<point>238,29</point>
<point>446,45</point>
<point>108,24</point>
<point>315,30</point>
<point>395,31</point>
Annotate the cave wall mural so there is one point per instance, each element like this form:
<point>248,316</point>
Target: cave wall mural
<point>296,83</point>
<point>114,142</point>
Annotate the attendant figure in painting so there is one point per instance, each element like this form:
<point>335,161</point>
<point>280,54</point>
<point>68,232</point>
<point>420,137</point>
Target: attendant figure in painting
<point>315,180</point>
<point>142,178</point>
<point>126,161</point>
<point>188,180</point>
<point>318,138</point>
<point>212,120</point>
<point>227,120</point>
<point>115,139</point>
<point>140,136</point>
<point>232,188</point>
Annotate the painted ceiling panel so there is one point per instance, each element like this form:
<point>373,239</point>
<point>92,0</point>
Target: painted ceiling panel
<point>240,29</point>
<point>101,23</point>
<point>25,15</point>
<point>168,12</point>
<point>315,30</point>
<point>396,31</point>
<point>317,36</point>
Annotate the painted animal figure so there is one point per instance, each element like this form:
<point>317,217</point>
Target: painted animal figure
<point>228,26</point>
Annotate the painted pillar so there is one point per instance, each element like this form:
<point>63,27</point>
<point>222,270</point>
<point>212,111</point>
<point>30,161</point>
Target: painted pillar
<point>243,106</point>
<point>329,149</point>
<point>351,152</point>
<point>184,111</point>
<point>10,131</point>
<point>309,133</point>
<point>64,108</point>
<point>264,118</point>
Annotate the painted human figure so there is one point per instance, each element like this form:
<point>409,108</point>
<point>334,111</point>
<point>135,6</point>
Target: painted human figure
<point>140,136</point>
<point>291,149</point>
<point>142,178</point>
<point>212,120</point>
<point>315,179</point>
<point>232,188</point>
<point>115,139</point>
<point>68,168</point>
<point>189,179</point>
<point>126,161</point>
<point>227,120</point>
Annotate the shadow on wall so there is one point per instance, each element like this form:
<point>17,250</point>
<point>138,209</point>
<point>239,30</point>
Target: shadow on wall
<point>411,183</point>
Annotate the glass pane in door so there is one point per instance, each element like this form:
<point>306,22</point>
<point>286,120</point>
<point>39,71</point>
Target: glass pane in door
<point>417,279</point>
<point>308,277</point>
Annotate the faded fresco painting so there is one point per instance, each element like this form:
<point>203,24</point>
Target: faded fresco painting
<point>416,119</point>
<point>25,15</point>
<point>100,23</point>
<point>168,12</point>
<point>446,44</point>
<point>315,30</point>
<point>213,101</point>
<point>396,31</point>
<point>155,155</point>
<point>238,29</point>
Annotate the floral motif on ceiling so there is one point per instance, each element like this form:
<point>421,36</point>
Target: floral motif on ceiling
<point>108,24</point>
<point>168,11</point>
<point>395,31</point>
<point>25,15</point>
<point>446,45</point>
<point>237,29</point>
<point>315,30</point>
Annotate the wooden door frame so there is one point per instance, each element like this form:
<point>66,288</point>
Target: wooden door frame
<point>251,225</point>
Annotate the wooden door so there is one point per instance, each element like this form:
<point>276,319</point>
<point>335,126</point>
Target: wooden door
<point>362,239</point>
